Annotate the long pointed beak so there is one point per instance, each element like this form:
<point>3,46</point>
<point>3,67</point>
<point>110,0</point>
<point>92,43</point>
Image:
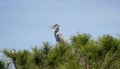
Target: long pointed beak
<point>51,27</point>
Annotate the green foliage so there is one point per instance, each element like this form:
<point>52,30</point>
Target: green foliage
<point>22,59</point>
<point>107,43</point>
<point>37,57</point>
<point>2,65</point>
<point>80,39</point>
<point>82,53</point>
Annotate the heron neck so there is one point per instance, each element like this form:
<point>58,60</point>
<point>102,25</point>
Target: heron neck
<point>55,33</point>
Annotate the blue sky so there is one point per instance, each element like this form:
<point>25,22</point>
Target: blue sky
<point>25,23</point>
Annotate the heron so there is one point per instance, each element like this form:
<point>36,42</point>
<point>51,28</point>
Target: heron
<point>58,36</point>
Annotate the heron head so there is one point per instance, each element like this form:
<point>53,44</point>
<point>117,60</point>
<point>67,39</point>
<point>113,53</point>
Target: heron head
<point>55,26</point>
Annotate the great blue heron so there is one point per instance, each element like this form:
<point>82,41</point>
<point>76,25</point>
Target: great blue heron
<point>58,36</point>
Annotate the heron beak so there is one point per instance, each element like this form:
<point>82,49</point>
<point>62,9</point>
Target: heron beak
<point>51,27</point>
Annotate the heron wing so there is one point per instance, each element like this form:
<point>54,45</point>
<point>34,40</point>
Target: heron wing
<point>61,38</point>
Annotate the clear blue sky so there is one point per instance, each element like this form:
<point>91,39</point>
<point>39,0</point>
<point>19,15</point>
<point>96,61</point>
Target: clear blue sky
<point>25,23</point>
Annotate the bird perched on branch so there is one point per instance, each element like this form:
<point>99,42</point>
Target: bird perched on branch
<point>58,36</point>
